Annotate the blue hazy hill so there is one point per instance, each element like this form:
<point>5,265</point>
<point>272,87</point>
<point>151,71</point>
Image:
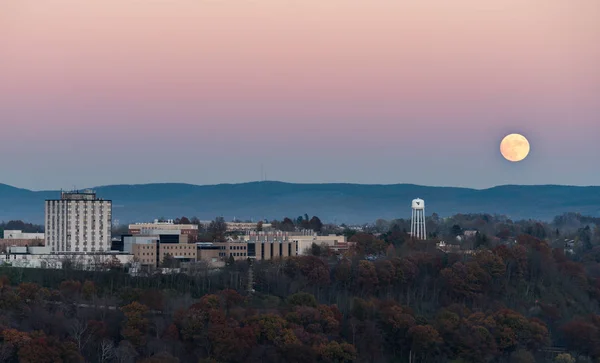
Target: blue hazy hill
<point>348,203</point>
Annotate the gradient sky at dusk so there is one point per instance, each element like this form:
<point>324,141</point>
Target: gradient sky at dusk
<point>103,92</point>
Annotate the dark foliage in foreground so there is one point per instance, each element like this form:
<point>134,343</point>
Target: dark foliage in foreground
<point>505,304</point>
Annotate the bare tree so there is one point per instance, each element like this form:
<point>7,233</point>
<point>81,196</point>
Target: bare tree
<point>98,262</point>
<point>81,333</point>
<point>6,352</point>
<point>125,353</point>
<point>68,262</point>
<point>106,351</point>
<point>217,229</point>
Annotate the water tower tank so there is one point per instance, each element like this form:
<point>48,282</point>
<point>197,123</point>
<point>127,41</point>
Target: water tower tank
<point>417,227</point>
<point>418,204</point>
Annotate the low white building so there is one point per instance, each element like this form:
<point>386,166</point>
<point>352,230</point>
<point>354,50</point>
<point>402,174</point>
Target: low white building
<point>41,257</point>
<point>156,227</point>
<point>245,226</point>
<point>17,234</point>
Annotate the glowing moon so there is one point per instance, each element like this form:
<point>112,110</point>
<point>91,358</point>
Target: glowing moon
<point>514,147</point>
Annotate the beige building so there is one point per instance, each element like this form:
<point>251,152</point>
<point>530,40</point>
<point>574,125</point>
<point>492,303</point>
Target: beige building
<point>210,252</point>
<point>146,254</point>
<point>269,251</point>
<point>305,242</point>
<point>255,249</point>
<point>303,239</point>
<point>167,227</point>
<point>151,250</point>
<point>180,251</point>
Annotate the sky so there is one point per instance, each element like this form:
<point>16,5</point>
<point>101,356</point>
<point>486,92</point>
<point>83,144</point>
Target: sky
<point>102,92</point>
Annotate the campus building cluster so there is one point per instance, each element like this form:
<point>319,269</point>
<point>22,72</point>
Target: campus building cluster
<point>151,247</point>
<point>78,231</point>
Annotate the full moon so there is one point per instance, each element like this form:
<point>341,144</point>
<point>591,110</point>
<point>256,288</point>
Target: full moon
<point>514,147</point>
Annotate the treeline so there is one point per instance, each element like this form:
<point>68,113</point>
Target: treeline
<point>491,230</point>
<point>20,225</point>
<point>301,223</point>
<point>585,230</point>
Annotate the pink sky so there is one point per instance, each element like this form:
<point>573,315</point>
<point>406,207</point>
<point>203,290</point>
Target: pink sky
<point>350,84</point>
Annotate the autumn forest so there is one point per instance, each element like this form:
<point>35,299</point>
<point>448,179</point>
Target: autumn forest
<point>513,291</point>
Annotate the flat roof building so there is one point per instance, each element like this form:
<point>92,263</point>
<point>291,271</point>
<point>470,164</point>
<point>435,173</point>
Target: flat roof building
<point>78,222</point>
<point>19,238</point>
<point>245,226</point>
<point>151,250</point>
<point>18,234</point>
<point>167,227</point>
<point>303,239</point>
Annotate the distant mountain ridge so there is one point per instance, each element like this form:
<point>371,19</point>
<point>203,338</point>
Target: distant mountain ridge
<point>341,203</point>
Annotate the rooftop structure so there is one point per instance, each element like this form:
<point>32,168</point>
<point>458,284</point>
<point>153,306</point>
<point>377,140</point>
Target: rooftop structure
<point>245,226</point>
<point>168,225</point>
<point>161,228</point>
<point>87,194</point>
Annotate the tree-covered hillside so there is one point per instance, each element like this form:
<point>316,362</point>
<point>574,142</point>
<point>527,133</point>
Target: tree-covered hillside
<point>339,203</point>
<point>389,299</point>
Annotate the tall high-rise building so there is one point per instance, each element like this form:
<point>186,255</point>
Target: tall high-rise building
<point>78,222</point>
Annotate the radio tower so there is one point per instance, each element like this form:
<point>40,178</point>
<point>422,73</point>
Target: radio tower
<point>417,225</point>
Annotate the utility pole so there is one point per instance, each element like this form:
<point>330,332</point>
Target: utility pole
<point>250,276</point>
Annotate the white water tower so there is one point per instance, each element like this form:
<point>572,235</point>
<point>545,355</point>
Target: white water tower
<point>417,225</point>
